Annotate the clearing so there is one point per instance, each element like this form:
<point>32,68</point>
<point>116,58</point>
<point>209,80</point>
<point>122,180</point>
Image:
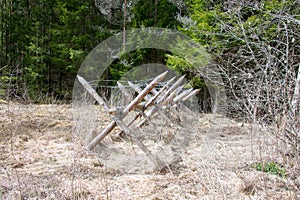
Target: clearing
<point>42,158</point>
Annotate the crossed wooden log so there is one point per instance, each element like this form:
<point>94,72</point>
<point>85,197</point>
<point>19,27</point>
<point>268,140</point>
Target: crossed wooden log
<point>169,95</point>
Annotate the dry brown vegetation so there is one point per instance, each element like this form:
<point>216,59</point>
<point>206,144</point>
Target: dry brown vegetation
<point>42,158</point>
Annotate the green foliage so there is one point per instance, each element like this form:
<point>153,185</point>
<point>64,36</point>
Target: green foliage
<point>178,64</point>
<point>195,57</point>
<point>46,41</point>
<point>150,14</point>
<point>213,23</point>
<point>270,168</point>
<point>43,42</point>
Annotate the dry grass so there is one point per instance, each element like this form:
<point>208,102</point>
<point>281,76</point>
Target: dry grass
<point>42,158</point>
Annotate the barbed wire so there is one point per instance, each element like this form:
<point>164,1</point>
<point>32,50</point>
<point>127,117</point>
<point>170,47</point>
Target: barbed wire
<point>113,83</point>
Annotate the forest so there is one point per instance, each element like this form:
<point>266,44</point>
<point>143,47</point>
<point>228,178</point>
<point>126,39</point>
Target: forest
<point>43,43</point>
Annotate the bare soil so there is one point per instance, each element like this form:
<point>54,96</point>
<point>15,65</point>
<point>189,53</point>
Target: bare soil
<point>43,157</point>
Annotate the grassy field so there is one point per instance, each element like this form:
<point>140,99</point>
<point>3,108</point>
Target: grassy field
<point>43,158</point>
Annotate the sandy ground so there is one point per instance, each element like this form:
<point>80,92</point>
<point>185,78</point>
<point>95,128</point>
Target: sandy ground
<point>43,157</point>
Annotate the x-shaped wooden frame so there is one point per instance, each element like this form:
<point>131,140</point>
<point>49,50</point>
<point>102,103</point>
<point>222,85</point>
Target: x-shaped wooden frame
<point>160,100</point>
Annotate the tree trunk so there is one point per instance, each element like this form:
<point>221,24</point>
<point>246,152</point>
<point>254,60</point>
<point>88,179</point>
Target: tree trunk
<point>124,23</point>
<point>155,12</point>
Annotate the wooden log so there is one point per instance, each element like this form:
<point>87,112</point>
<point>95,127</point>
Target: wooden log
<point>162,104</point>
<point>158,94</point>
<point>92,92</point>
<point>148,98</point>
<point>138,89</point>
<point>102,135</point>
<point>125,112</point>
<point>182,95</point>
<point>172,96</point>
<point>172,88</point>
<point>191,94</point>
<point>163,89</point>
<point>141,96</point>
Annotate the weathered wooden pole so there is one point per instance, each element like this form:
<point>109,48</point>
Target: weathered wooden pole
<point>182,95</point>
<point>172,96</point>
<point>194,92</point>
<point>172,88</point>
<point>92,92</point>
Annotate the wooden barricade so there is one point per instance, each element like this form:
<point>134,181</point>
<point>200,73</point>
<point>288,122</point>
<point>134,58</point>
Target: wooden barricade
<point>149,101</point>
